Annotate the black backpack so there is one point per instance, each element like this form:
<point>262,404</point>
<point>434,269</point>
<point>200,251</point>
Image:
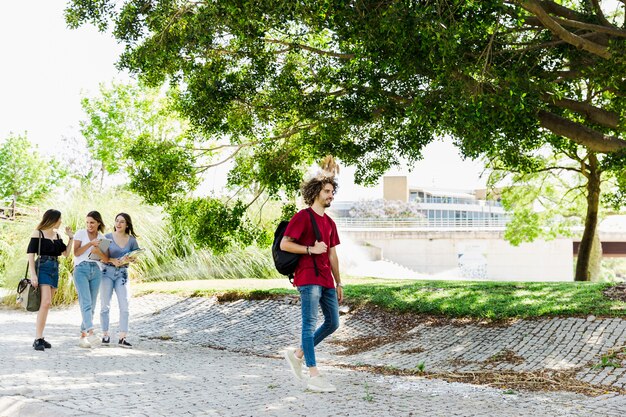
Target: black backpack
<point>286,262</point>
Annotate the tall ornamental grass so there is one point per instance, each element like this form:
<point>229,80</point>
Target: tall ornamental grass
<point>166,256</point>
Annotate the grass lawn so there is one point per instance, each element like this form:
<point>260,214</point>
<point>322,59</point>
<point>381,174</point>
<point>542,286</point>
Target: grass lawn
<point>471,299</point>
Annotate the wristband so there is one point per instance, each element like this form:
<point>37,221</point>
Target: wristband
<point>339,284</point>
<point>308,251</point>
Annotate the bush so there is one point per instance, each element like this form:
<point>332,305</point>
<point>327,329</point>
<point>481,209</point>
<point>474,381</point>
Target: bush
<point>385,209</point>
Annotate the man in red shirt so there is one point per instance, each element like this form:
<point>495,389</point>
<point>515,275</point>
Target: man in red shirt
<point>315,276</point>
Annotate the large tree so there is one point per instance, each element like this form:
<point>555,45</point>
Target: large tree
<point>126,126</point>
<point>558,195</point>
<point>281,83</point>
<point>25,176</point>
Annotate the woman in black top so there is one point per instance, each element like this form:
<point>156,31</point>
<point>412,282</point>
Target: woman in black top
<point>44,271</point>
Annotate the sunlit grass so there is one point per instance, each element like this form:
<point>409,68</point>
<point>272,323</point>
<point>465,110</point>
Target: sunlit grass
<point>493,300</point>
<point>483,300</point>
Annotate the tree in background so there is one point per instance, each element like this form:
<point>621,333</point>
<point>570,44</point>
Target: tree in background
<point>25,176</point>
<point>280,84</point>
<point>552,199</point>
<point>134,130</point>
<point>125,125</point>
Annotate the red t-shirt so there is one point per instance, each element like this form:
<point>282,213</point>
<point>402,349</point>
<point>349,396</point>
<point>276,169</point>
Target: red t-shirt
<point>301,230</point>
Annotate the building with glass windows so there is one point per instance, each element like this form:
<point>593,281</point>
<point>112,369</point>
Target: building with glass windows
<point>447,207</point>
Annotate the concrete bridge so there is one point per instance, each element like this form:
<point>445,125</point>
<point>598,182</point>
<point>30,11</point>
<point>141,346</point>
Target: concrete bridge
<point>475,252</point>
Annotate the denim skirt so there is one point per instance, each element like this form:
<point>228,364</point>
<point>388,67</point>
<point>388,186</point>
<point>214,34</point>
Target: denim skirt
<point>48,271</point>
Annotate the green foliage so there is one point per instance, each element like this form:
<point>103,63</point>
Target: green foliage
<point>609,360</point>
<point>282,84</point>
<point>615,167</point>
<point>5,249</point>
<point>133,129</point>
<point>545,204</point>
<point>160,170</point>
<point>211,223</point>
<point>370,82</point>
<point>25,176</point>
<point>288,211</point>
<point>550,199</point>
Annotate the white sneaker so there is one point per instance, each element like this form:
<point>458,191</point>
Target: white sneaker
<point>84,343</point>
<point>294,363</point>
<point>94,340</point>
<point>319,384</point>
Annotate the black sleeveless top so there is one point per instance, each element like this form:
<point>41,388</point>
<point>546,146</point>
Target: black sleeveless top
<point>48,247</point>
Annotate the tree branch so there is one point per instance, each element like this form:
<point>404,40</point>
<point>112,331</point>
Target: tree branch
<point>284,135</point>
<point>533,7</point>
<point>581,134</point>
<point>595,4</point>
<point>203,168</point>
<point>559,10</point>
<point>258,194</point>
<point>310,49</point>
<point>545,45</point>
<point>594,114</point>
<point>610,30</point>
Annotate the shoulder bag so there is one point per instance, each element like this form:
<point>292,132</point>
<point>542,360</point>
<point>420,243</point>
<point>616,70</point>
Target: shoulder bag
<point>28,296</point>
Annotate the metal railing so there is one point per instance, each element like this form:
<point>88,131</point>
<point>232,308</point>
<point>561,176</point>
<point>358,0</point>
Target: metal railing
<point>436,224</point>
<point>8,212</point>
<point>457,200</point>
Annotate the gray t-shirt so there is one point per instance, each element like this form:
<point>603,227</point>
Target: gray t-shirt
<point>117,252</point>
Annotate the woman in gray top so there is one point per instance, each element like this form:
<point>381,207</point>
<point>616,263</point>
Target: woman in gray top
<point>115,277</point>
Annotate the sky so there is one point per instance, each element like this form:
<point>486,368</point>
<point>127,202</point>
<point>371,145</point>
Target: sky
<point>45,69</point>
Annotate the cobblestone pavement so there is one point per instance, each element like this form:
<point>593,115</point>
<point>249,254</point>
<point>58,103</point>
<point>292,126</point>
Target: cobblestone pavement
<point>198,357</point>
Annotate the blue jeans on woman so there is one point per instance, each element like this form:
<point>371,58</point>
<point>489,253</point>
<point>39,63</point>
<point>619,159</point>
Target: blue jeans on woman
<point>114,279</point>
<point>87,276</point>
<point>312,297</point>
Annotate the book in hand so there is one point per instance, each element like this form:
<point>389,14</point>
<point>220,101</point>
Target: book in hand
<point>103,246</point>
<point>132,255</point>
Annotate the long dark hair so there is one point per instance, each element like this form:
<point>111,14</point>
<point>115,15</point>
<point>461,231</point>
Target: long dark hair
<point>129,224</point>
<point>49,219</point>
<point>97,217</point>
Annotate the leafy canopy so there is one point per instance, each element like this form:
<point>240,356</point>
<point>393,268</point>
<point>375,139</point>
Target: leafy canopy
<point>281,83</point>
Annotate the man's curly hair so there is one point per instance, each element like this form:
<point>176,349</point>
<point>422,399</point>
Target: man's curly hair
<point>313,187</point>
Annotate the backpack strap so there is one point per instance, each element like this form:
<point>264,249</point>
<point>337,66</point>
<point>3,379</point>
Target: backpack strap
<point>318,237</point>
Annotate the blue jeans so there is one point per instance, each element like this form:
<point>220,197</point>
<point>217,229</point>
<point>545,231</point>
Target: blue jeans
<point>87,276</point>
<point>114,279</point>
<point>312,296</point>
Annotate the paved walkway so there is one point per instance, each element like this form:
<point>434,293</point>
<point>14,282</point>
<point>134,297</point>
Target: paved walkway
<point>198,357</point>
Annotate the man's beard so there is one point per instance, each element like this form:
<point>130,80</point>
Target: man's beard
<point>327,204</point>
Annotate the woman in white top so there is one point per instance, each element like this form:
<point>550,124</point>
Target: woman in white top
<point>88,274</point>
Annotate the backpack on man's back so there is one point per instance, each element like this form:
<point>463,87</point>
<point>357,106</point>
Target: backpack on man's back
<point>287,262</point>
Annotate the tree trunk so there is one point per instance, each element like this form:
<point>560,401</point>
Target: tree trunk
<point>595,260</point>
<point>13,206</point>
<point>583,272</point>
